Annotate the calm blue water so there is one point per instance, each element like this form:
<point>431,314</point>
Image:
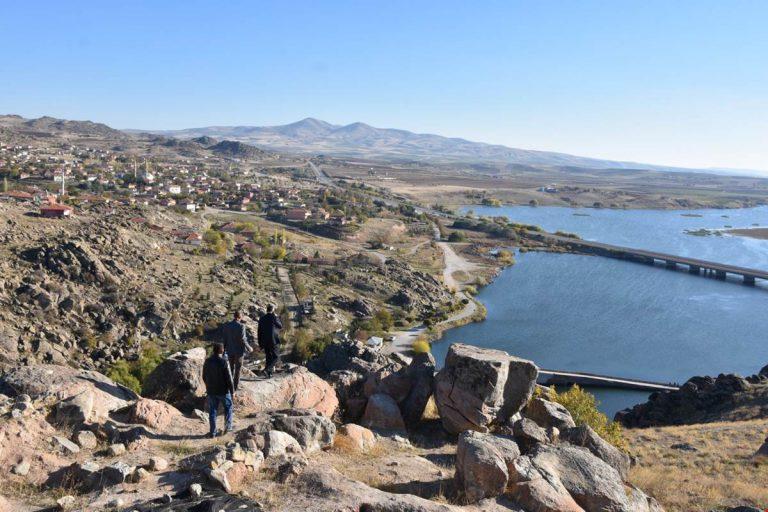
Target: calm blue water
<point>613,317</point>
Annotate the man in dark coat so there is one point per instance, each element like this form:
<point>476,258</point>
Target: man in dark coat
<point>269,340</point>
<point>219,387</point>
<point>235,345</point>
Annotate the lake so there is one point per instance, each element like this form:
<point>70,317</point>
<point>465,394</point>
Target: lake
<point>607,316</point>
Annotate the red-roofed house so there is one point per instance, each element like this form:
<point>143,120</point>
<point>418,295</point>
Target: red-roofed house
<point>55,211</point>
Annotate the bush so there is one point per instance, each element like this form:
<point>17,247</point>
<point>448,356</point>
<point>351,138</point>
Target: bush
<point>132,374</point>
<point>307,346</point>
<point>583,407</point>
<point>506,257</point>
<point>421,346</point>
<point>457,237</point>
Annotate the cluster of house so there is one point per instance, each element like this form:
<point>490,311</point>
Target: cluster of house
<point>48,204</point>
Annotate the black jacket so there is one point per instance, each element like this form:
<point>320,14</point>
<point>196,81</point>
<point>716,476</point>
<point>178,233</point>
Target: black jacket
<point>217,377</point>
<point>234,338</point>
<point>269,324</point>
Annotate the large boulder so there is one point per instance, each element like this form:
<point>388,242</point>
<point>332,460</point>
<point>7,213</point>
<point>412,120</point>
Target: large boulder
<point>480,388</point>
<point>587,438</point>
<point>537,482</point>
<point>382,413</point>
<point>155,414</point>
<point>297,388</point>
<point>353,437</point>
<point>179,380</point>
<point>548,414</point>
<point>482,464</point>
<point>77,395</point>
<point>312,430</point>
<point>421,373</point>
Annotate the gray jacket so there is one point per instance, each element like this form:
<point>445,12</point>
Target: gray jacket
<point>235,339</point>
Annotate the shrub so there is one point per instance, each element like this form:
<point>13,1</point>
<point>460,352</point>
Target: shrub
<point>583,407</point>
<point>131,374</point>
<point>307,346</point>
<point>506,257</point>
<point>421,346</point>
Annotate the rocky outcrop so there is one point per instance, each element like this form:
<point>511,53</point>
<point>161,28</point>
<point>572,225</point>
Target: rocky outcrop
<point>351,437</point>
<point>565,477</point>
<point>548,414</point>
<point>480,388</point>
<point>382,413</point>
<point>76,396</point>
<point>702,400</point>
<point>482,464</point>
<point>298,388</point>
<point>155,414</point>
<point>178,380</point>
<point>311,430</point>
<point>587,438</point>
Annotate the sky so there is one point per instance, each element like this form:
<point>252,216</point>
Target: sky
<point>681,82</point>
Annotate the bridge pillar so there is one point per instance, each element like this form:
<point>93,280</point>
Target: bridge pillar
<point>671,265</point>
<point>720,274</point>
<point>693,269</point>
<point>749,280</point>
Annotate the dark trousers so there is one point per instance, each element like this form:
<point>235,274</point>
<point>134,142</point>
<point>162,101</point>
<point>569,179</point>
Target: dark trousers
<point>213,410</point>
<point>272,358</point>
<point>235,365</point>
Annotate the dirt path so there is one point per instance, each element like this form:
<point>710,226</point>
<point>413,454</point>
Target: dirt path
<point>454,263</point>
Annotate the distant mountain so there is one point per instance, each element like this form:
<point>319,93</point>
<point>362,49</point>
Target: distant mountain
<point>60,126</point>
<point>361,140</point>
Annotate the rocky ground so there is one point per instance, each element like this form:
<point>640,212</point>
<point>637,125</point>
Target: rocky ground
<point>376,433</point>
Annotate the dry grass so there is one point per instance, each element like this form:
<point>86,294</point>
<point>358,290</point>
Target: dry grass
<point>721,472</point>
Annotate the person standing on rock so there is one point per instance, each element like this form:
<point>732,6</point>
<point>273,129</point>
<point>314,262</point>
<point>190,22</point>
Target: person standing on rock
<point>219,387</point>
<point>269,340</point>
<point>235,345</point>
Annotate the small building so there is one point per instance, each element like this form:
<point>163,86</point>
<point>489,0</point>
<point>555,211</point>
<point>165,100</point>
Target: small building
<point>17,195</point>
<point>55,211</point>
<point>375,342</point>
<point>297,214</point>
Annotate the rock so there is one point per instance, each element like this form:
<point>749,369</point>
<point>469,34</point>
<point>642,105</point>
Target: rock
<point>157,464</point>
<point>195,490</point>
<point>219,478</point>
<point>278,443</point>
<point>587,438</point>
<point>155,414</point>
<point>391,380</point>
<point>179,380</point>
<point>117,449</point>
<point>236,453</point>
<point>482,462</point>
<point>22,468</point>
<point>212,458</point>
<point>355,437</point>
<point>22,409</point>
<point>295,389</point>
<point>538,491</point>
<point>537,481</point>
<point>382,413</point>
<point>116,473</point>
<point>480,388</point>
<point>66,502</point>
<point>86,439</point>
<point>253,459</point>
<point>421,373</point>
<point>548,414</point>
<point>311,429</point>
<point>65,446</point>
<point>290,469</point>
<point>349,356</point>
<point>528,434</point>
<point>684,447</point>
<point>54,384</point>
<point>140,475</point>
<point>116,503</point>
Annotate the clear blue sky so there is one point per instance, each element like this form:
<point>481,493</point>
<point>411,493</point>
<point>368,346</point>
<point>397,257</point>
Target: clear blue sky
<point>679,82</point>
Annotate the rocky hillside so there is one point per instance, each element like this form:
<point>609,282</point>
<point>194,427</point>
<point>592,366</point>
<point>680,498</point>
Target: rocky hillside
<point>362,440</point>
<point>702,400</point>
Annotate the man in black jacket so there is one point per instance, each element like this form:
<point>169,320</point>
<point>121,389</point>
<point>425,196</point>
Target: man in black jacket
<point>235,345</point>
<point>269,340</point>
<point>219,387</point>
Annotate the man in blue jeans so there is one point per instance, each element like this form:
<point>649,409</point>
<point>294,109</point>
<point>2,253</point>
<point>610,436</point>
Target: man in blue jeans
<point>219,387</point>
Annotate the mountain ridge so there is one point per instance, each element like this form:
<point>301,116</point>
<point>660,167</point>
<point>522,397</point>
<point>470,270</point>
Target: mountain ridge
<point>312,135</point>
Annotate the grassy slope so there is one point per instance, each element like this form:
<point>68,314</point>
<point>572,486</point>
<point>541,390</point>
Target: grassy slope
<point>721,472</point>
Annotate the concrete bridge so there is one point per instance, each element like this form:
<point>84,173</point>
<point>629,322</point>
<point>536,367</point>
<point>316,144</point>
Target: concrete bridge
<point>560,377</point>
<point>695,266</point>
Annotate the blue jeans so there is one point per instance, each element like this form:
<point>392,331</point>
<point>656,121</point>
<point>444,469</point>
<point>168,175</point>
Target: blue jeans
<point>213,409</point>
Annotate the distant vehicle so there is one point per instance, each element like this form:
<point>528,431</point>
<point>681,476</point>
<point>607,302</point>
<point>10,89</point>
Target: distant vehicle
<point>389,337</point>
